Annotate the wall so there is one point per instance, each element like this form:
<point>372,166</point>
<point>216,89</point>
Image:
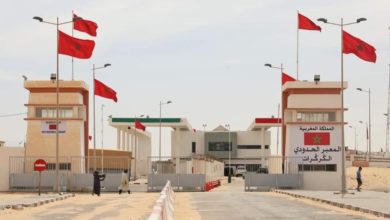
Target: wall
<point>319,181</point>
<point>314,101</point>
<point>252,138</point>
<point>5,153</point>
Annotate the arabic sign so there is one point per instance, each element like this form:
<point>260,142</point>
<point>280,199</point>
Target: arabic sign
<point>50,127</point>
<point>316,144</point>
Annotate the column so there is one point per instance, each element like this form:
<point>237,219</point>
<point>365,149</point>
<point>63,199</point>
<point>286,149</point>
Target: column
<point>123,139</point>
<point>118,139</point>
<point>178,153</point>
<point>262,147</point>
<point>127,141</point>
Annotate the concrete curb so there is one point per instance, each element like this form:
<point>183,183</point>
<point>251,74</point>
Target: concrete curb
<point>337,204</point>
<point>20,206</point>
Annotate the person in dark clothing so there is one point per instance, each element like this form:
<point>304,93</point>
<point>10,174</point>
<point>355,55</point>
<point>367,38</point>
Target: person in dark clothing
<point>97,178</point>
<point>359,179</point>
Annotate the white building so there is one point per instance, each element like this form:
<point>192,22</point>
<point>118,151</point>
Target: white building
<point>312,132</point>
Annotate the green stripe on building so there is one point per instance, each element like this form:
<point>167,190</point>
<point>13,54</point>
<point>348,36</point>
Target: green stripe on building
<point>147,120</point>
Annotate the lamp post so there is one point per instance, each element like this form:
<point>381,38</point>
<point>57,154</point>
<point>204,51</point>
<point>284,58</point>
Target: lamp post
<point>159,136</point>
<point>281,100</point>
<point>354,127</point>
<point>230,148</point>
<point>204,127</point>
<point>94,118</point>
<point>57,24</point>
<point>369,119</point>
<point>341,25</point>
<point>361,122</point>
<point>135,147</point>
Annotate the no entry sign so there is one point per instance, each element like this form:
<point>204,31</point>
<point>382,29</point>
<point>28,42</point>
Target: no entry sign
<point>40,165</point>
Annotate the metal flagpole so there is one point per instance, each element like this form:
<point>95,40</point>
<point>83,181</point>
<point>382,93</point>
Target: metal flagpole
<point>343,180</point>
<point>135,149</point>
<point>388,108</point>
<point>102,152</point>
<point>72,56</point>
<point>297,43</point>
<point>94,119</point>
<point>277,133</point>
<point>57,109</point>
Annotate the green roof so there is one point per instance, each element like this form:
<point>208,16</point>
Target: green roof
<point>147,120</point>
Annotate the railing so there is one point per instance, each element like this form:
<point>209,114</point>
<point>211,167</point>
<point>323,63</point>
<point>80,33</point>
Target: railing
<point>164,206</point>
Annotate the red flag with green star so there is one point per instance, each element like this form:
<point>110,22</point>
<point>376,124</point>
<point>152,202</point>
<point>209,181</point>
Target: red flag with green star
<point>74,47</point>
<point>317,138</point>
<point>358,47</point>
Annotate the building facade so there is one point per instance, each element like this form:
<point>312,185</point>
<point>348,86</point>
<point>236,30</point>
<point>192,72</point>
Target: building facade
<point>312,132</point>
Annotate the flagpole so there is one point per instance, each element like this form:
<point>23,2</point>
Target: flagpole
<point>102,152</point>
<point>277,133</point>
<point>57,109</point>
<point>135,149</point>
<point>281,101</point>
<point>343,180</point>
<point>72,56</point>
<point>94,119</point>
<point>297,44</point>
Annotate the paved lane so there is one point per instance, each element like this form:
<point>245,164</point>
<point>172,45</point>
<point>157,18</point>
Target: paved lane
<point>231,202</point>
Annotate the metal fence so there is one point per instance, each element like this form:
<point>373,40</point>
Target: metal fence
<point>75,173</point>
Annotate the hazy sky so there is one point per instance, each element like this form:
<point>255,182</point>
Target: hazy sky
<point>207,56</point>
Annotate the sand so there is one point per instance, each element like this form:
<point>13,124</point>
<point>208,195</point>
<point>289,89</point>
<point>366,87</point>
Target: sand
<point>374,178</point>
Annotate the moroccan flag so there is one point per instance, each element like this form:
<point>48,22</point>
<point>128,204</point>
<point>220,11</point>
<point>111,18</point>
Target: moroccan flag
<point>104,91</point>
<point>287,78</point>
<point>53,127</point>
<point>86,26</point>
<point>138,125</point>
<point>358,47</point>
<point>306,24</point>
<point>317,138</point>
<point>74,47</point>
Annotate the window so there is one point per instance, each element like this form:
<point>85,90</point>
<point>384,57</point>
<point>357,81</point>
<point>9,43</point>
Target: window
<point>51,112</point>
<point>266,147</point>
<point>248,147</point>
<point>316,116</point>
<point>63,166</point>
<point>318,167</point>
<point>219,146</point>
<point>193,147</point>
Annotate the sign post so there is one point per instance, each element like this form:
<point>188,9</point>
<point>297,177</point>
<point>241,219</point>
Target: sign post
<point>39,165</point>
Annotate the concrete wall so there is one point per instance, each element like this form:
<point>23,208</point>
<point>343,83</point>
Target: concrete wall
<point>321,180</point>
<point>5,153</point>
<point>314,101</point>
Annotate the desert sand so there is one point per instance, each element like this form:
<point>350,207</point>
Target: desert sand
<point>374,178</point>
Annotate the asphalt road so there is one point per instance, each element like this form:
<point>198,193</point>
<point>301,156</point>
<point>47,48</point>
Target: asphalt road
<point>231,202</point>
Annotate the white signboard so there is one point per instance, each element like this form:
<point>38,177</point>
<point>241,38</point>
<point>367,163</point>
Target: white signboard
<point>50,127</point>
<point>315,144</point>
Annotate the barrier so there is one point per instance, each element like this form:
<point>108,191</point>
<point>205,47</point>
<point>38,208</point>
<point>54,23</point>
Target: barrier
<point>163,208</point>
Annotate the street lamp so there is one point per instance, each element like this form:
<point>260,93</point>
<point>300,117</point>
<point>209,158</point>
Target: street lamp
<point>94,119</point>
<point>57,24</point>
<point>281,100</point>
<point>369,119</point>
<point>159,137</point>
<point>354,127</point>
<point>341,25</point>
<point>229,167</point>
<point>361,122</point>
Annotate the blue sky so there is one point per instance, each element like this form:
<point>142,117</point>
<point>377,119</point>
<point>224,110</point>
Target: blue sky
<point>207,56</point>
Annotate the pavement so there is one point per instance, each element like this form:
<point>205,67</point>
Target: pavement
<point>370,202</point>
<point>19,201</point>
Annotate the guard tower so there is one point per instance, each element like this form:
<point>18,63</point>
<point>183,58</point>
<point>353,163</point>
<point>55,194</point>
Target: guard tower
<point>312,132</point>
<point>41,122</point>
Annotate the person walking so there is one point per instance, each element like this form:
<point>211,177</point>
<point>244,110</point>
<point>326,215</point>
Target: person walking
<point>124,186</point>
<point>359,178</point>
<point>97,178</point>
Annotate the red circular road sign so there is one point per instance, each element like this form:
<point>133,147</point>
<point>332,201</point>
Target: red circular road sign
<point>40,165</point>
